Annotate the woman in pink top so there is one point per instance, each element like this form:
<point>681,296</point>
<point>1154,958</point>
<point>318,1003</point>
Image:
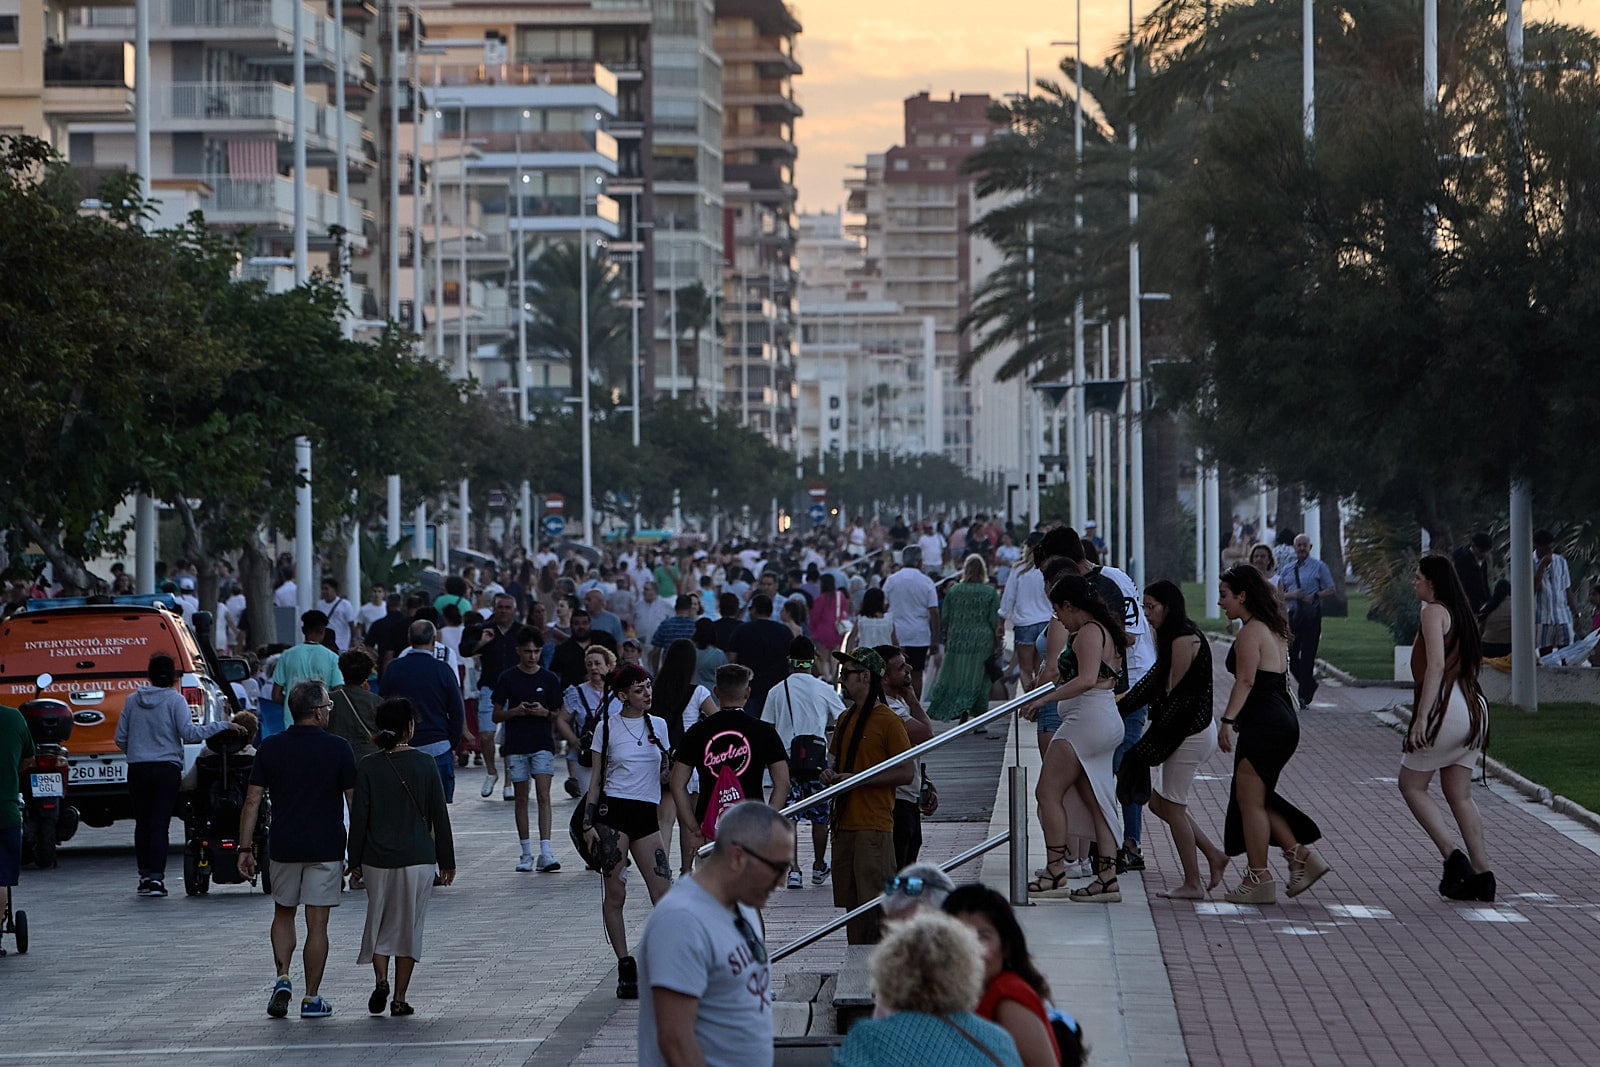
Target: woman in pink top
<point>831,608</point>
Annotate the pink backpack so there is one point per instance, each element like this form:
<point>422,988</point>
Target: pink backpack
<point>724,794</point>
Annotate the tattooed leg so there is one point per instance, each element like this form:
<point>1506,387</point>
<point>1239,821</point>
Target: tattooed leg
<point>663,867</point>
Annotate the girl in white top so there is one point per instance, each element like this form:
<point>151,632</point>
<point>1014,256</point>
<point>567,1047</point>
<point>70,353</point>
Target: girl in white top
<point>873,626</point>
<point>620,811</point>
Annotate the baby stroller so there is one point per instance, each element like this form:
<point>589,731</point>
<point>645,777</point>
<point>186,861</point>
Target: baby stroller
<point>211,827</point>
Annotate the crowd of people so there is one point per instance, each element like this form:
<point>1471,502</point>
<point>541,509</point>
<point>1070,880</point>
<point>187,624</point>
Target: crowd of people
<point>687,694</point>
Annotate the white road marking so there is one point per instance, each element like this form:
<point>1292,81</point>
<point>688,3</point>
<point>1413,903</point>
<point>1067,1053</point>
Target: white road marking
<point>1492,915</point>
<point>1213,908</point>
<point>1359,911</point>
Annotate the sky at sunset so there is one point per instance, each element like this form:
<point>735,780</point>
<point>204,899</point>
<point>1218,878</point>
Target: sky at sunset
<point>862,58</point>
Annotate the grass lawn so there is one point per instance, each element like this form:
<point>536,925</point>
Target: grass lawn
<point>1558,746</point>
<point>1364,649</point>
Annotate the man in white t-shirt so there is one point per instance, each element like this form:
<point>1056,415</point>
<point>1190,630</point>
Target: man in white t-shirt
<point>932,544</point>
<point>340,612</point>
<point>914,607</point>
<point>374,609</point>
<point>803,705</point>
<point>858,539</point>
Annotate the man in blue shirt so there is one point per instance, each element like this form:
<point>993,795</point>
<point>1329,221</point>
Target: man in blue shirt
<point>433,688</point>
<point>677,626</point>
<point>1306,582</point>
<point>527,699</point>
<point>312,775</point>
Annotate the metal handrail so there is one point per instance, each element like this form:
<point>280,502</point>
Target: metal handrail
<point>914,752</point>
<point>834,924</point>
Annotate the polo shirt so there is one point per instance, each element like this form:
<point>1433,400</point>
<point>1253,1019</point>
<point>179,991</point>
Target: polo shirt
<point>307,770</point>
<point>673,628</point>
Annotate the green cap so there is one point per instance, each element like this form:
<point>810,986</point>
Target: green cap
<point>865,658</point>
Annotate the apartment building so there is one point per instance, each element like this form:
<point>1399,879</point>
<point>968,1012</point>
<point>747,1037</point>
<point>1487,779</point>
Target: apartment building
<point>867,379</point>
<point>914,205</point>
<point>756,40</point>
<point>538,130</point>
<point>46,82</point>
<point>686,177</point>
<point>222,114</point>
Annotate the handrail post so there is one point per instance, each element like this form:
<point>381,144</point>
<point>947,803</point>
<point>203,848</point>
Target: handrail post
<point>1018,783</point>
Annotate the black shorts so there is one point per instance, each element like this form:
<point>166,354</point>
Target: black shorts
<point>916,656</point>
<point>633,819</point>
<point>10,855</point>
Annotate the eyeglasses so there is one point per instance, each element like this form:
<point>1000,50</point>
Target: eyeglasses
<point>846,672</point>
<point>779,869</point>
<point>751,940</point>
<point>907,887</point>
<point>320,707</point>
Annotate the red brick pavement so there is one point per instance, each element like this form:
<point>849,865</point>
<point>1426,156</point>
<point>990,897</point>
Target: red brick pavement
<point>1425,980</point>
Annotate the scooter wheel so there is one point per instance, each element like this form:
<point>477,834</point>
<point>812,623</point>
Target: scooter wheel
<point>44,846</point>
<point>19,921</point>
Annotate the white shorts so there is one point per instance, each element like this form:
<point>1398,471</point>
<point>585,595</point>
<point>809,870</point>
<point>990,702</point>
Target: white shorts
<point>313,885</point>
<point>521,766</point>
<point>1174,779</point>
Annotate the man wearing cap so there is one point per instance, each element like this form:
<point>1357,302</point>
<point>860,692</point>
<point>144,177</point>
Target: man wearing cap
<point>863,818</point>
<point>1091,534</point>
<point>311,661</point>
<point>188,602</point>
<point>804,706</point>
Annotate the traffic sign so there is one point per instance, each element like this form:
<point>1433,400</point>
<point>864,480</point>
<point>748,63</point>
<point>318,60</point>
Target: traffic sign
<point>554,525</point>
<point>555,503</point>
<point>818,491</point>
<point>819,514</point>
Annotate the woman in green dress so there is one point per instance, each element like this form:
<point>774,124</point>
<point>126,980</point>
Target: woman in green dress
<point>968,618</point>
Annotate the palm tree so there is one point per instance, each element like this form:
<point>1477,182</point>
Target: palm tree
<point>694,315</point>
<point>553,327</point>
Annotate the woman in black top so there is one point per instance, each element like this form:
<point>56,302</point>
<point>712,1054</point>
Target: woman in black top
<point>1182,734</point>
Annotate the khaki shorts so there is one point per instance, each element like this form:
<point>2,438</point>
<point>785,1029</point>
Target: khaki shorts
<point>314,885</point>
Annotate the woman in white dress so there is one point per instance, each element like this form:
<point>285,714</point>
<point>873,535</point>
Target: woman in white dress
<point>1077,788</point>
<point>1449,727</point>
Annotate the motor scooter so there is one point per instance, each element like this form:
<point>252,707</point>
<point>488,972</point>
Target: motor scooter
<point>47,819</point>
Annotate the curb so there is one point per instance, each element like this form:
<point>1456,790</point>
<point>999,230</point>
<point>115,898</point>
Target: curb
<point>1398,718</point>
<point>1345,678</point>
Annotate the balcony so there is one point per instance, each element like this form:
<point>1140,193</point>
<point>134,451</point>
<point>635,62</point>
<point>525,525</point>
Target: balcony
<point>553,150</point>
<point>526,71</point>
<point>268,203</point>
<point>771,55</point>
<point>262,30</point>
<point>264,108</point>
<point>773,98</point>
<point>89,82</point>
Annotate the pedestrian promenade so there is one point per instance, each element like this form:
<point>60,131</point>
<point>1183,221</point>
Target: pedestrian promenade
<point>1369,967</point>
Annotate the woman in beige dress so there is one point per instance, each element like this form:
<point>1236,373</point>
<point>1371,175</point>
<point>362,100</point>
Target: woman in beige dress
<point>1449,727</point>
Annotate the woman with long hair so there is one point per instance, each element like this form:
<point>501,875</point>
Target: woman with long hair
<point>1026,606</point>
<point>682,702</point>
<point>831,609</point>
<point>620,809</point>
<point>1261,559</point>
<point>1015,994</point>
<point>1449,727</point>
<point>1261,714</point>
<point>796,616</point>
<point>1076,786</point>
<point>400,842</point>
<point>1182,733</point>
<point>967,618</point>
<point>873,626</point>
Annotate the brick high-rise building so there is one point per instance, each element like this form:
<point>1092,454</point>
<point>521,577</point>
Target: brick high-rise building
<point>915,205</point>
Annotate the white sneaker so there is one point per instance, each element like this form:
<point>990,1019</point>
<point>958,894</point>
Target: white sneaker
<point>525,864</point>
<point>508,793</point>
<point>796,880</point>
<point>547,864</point>
<point>488,787</point>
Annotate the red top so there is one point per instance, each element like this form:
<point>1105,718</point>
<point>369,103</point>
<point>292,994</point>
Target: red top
<point>1008,985</point>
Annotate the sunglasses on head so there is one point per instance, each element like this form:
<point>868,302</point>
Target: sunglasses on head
<point>909,887</point>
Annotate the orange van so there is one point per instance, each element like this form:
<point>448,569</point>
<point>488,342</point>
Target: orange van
<point>97,655</point>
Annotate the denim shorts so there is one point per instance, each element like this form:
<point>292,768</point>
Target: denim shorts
<point>486,723</point>
<point>520,766</point>
<point>1049,720</point>
<point>1028,633</point>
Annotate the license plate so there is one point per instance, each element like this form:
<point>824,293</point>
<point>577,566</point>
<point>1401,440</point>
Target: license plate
<point>98,772</point>
<point>45,785</point>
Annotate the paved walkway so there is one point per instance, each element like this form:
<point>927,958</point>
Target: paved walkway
<point>1372,966</point>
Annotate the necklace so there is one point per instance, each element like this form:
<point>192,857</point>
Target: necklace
<point>638,739</point>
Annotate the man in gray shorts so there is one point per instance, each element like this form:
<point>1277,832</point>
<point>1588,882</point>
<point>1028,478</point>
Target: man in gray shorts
<point>312,775</point>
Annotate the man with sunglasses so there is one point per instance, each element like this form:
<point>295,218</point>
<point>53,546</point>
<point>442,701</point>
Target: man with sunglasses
<point>705,982</point>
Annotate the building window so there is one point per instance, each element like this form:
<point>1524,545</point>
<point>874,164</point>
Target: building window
<point>10,28</point>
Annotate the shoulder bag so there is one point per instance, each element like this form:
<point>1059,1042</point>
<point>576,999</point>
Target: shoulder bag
<point>808,753</point>
<point>964,1032</point>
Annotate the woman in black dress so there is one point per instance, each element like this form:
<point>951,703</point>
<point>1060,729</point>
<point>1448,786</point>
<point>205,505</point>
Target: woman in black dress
<point>1260,713</point>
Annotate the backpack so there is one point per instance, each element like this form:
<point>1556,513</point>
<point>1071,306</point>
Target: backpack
<point>725,793</point>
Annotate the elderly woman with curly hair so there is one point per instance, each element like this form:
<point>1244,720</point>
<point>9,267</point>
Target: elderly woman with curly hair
<point>927,975</point>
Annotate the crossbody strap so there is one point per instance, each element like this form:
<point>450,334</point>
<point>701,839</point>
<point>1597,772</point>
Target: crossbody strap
<point>352,706</point>
<point>979,1045</point>
<point>389,759</point>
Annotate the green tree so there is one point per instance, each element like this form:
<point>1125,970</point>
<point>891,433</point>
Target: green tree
<point>694,316</point>
<point>96,316</point>
<point>554,326</point>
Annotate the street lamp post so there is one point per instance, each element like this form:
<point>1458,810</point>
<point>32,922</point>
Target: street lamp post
<point>1135,564</point>
<point>522,291</point>
<point>583,354</point>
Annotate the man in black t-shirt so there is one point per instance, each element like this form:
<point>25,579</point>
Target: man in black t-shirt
<point>762,645</point>
<point>731,738</point>
<point>899,533</point>
<point>568,660</point>
<point>527,699</point>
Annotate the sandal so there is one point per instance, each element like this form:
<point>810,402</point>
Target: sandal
<point>1304,871</point>
<point>1102,890</point>
<point>380,993</point>
<point>400,1007</point>
<point>1045,881</point>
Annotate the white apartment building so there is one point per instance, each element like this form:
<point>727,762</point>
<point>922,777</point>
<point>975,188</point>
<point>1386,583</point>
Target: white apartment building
<point>866,372</point>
